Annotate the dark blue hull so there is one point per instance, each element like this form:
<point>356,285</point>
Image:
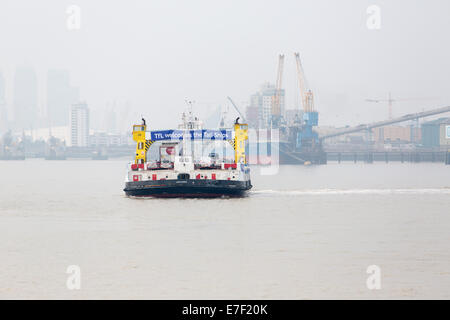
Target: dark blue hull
<point>190,188</point>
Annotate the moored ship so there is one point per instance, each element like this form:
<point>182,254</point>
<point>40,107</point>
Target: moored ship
<point>192,161</point>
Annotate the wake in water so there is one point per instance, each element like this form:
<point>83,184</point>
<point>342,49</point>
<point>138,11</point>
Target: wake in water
<point>350,191</point>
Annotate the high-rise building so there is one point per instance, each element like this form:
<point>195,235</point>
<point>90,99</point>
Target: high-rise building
<point>25,98</point>
<point>262,101</point>
<point>111,119</point>
<point>79,125</point>
<point>60,96</point>
<point>251,115</point>
<point>3,111</point>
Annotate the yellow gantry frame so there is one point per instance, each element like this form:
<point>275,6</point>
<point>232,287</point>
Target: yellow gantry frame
<point>240,142</point>
<point>142,144</point>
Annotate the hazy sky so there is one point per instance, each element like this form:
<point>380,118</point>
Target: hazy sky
<point>156,53</point>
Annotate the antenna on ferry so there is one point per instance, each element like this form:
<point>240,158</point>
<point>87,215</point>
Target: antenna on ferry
<point>143,120</point>
<point>190,115</point>
<point>189,103</point>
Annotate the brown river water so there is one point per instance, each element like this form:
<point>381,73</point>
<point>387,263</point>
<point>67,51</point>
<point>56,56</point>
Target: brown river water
<point>301,233</point>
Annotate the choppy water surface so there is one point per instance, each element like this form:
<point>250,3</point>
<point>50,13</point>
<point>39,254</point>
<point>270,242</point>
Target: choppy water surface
<point>306,232</point>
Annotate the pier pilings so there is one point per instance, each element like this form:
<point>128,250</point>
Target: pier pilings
<point>390,156</point>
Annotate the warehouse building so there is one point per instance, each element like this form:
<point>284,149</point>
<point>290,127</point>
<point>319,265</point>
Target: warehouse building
<point>436,134</point>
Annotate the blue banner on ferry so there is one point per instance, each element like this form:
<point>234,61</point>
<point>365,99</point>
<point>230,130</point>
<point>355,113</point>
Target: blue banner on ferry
<point>194,135</point>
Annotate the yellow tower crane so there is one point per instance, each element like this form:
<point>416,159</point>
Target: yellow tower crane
<point>276,105</point>
<point>306,95</point>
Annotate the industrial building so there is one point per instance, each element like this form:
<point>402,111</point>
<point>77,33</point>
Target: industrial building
<point>389,134</point>
<point>436,133</point>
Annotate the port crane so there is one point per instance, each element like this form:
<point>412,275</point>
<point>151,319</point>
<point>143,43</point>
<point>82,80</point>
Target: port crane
<point>390,102</point>
<point>306,137</point>
<point>306,94</point>
<point>237,109</point>
<point>276,105</point>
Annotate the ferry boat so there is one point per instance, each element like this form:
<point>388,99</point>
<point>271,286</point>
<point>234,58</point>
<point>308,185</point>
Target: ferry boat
<point>191,162</point>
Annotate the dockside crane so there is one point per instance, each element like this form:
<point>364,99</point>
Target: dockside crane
<point>306,94</point>
<point>237,109</point>
<point>276,105</point>
<point>306,137</point>
<point>390,102</point>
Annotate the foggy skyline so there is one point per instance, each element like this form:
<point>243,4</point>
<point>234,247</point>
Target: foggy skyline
<point>156,54</point>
